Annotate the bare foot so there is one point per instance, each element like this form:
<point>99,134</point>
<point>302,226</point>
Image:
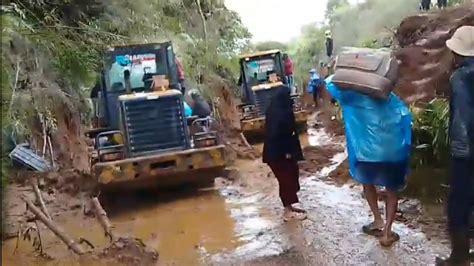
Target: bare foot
<point>289,214</point>
<point>389,240</point>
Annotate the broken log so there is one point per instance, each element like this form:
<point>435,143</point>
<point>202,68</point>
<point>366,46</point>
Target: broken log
<point>244,139</point>
<point>103,219</point>
<point>70,243</point>
<point>39,198</point>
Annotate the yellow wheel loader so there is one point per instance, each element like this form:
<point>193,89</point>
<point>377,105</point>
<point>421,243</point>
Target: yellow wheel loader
<point>142,137</point>
<point>261,73</point>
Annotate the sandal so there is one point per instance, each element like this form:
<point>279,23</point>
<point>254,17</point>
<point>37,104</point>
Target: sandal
<point>292,215</point>
<point>371,230</point>
<point>389,242</point>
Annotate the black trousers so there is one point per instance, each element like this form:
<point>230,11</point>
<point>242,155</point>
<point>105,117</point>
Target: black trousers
<point>461,196</point>
<point>460,207</point>
<point>442,3</point>
<point>425,4</point>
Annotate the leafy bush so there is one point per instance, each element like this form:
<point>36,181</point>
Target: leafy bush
<point>430,133</point>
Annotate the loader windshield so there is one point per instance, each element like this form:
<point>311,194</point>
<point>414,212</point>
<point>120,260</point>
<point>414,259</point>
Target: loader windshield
<point>257,70</point>
<point>139,65</point>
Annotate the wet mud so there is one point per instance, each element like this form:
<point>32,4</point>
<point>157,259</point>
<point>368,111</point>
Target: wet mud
<point>239,220</point>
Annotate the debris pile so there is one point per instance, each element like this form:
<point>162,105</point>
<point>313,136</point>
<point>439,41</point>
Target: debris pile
<point>426,63</point>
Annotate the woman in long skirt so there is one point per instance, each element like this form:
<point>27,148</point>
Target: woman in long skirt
<point>282,151</point>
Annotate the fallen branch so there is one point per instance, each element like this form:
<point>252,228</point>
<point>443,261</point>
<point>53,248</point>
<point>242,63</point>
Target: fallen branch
<point>71,244</point>
<point>244,139</point>
<point>17,75</point>
<point>83,240</point>
<point>228,144</point>
<point>103,219</point>
<point>39,198</point>
<point>40,244</point>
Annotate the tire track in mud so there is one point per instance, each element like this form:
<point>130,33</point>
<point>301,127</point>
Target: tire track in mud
<point>330,236</point>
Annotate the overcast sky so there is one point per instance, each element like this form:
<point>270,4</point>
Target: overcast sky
<point>278,20</point>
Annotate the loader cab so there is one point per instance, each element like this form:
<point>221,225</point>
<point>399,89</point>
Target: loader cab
<point>261,74</point>
<point>130,69</point>
<point>260,71</point>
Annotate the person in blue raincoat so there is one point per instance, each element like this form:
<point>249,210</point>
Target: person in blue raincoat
<point>378,134</point>
<point>315,85</point>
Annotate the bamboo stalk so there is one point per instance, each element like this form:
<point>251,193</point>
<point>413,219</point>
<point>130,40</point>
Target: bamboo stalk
<point>51,152</point>
<point>39,198</point>
<point>45,138</point>
<point>70,243</point>
<point>103,219</point>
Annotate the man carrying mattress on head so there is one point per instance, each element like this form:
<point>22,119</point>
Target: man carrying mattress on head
<point>378,130</point>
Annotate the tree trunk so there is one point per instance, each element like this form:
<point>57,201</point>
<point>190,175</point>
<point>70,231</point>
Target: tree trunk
<point>53,227</point>
<point>103,219</point>
<point>203,20</point>
<point>39,198</point>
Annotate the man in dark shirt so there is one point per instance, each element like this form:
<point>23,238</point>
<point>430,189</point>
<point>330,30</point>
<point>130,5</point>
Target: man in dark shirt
<point>461,144</point>
<point>199,105</point>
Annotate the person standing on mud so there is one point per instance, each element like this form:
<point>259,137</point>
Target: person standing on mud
<point>315,86</point>
<point>282,150</point>
<point>461,142</point>
<point>378,135</point>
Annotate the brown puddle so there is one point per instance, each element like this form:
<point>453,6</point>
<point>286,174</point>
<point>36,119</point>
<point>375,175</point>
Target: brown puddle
<point>183,229</point>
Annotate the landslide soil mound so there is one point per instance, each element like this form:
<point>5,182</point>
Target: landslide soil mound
<point>225,109</point>
<point>425,61</point>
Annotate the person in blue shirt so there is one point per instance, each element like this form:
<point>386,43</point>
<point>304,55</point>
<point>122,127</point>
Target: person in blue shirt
<point>315,85</point>
<point>461,146</point>
<point>187,110</point>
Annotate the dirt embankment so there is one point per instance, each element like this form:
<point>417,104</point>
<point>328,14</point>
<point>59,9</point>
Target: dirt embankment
<point>426,63</point>
<point>226,112</point>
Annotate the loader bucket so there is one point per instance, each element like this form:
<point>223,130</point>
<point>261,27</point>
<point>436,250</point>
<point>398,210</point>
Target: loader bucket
<point>166,170</point>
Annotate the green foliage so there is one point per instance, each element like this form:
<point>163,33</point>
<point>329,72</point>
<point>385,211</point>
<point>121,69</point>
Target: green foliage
<point>431,133</point>
<point>455,2</point>
<point>371,43</point>
<point>52,50</point>
<point>308,50</point>
<point>375,20</point>
<point>270,45</point>
<point>374,29</point>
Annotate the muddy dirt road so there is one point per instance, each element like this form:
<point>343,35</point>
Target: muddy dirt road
<point>238,222</point>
